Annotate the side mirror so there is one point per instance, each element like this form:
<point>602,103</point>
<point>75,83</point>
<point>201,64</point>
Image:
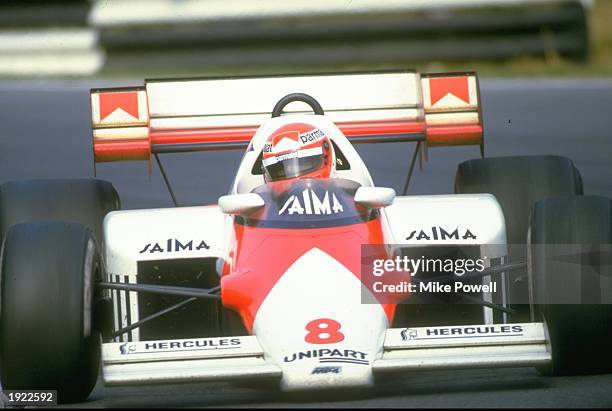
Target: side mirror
<point>375,197</point>
<point>240,203</point>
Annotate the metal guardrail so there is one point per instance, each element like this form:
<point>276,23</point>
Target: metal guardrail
<point>164,35</point>
<point>48,38</point>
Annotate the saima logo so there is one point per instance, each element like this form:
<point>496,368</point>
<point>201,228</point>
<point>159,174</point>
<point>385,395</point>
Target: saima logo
<point>309,203</point>
<point>173,245</point>
<point>440,233</point>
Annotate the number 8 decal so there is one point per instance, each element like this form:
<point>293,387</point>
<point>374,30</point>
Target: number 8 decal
<point>323,331</point>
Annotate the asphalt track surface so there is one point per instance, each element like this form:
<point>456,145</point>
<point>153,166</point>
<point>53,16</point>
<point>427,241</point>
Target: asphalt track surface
<point>45,133</point>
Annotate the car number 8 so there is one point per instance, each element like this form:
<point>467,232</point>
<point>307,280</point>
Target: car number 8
<point>323,331</point>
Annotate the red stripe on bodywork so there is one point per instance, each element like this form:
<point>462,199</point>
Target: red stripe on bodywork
<point>244,134</point>
<point>454,135</point>
<point>122,150</point>
<point>227,138</point>
<point>211,135</point>
<point>380,127</point>
<point>263,255</point>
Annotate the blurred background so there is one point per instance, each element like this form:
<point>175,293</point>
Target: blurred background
<point>163,38</point>
<point>545,69</point>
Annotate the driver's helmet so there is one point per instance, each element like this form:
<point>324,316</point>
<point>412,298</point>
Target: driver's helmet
<point>298,150</point>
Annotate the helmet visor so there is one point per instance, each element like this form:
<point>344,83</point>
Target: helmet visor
<point>292,167</point>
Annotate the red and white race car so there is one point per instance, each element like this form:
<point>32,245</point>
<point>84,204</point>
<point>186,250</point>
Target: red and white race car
<point>296,274</point>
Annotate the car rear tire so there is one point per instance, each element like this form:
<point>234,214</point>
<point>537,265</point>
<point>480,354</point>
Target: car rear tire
<point>517,183</point>
<point>580,331</point>
<point>48,335</point>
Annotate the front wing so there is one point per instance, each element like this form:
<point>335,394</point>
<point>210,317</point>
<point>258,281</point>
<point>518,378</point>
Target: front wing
<point>466,346</point>
<point>410,349</point>
<point>196,359</point>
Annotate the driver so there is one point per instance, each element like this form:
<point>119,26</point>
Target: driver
<point>297,151</point>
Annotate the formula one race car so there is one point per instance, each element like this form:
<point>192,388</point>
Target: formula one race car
<point>296,275</point>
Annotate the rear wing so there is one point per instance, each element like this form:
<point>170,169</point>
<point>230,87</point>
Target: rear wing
<point>166,116</point>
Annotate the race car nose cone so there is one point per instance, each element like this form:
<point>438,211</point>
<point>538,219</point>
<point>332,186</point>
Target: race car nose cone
<point>314,327</point>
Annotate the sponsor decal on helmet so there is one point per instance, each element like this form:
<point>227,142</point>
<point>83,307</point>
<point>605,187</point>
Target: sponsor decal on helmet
<point>311,136</point>
<point>287,156</point>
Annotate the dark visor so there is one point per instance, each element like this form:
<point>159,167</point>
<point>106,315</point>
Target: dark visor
<point>293,167</point>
